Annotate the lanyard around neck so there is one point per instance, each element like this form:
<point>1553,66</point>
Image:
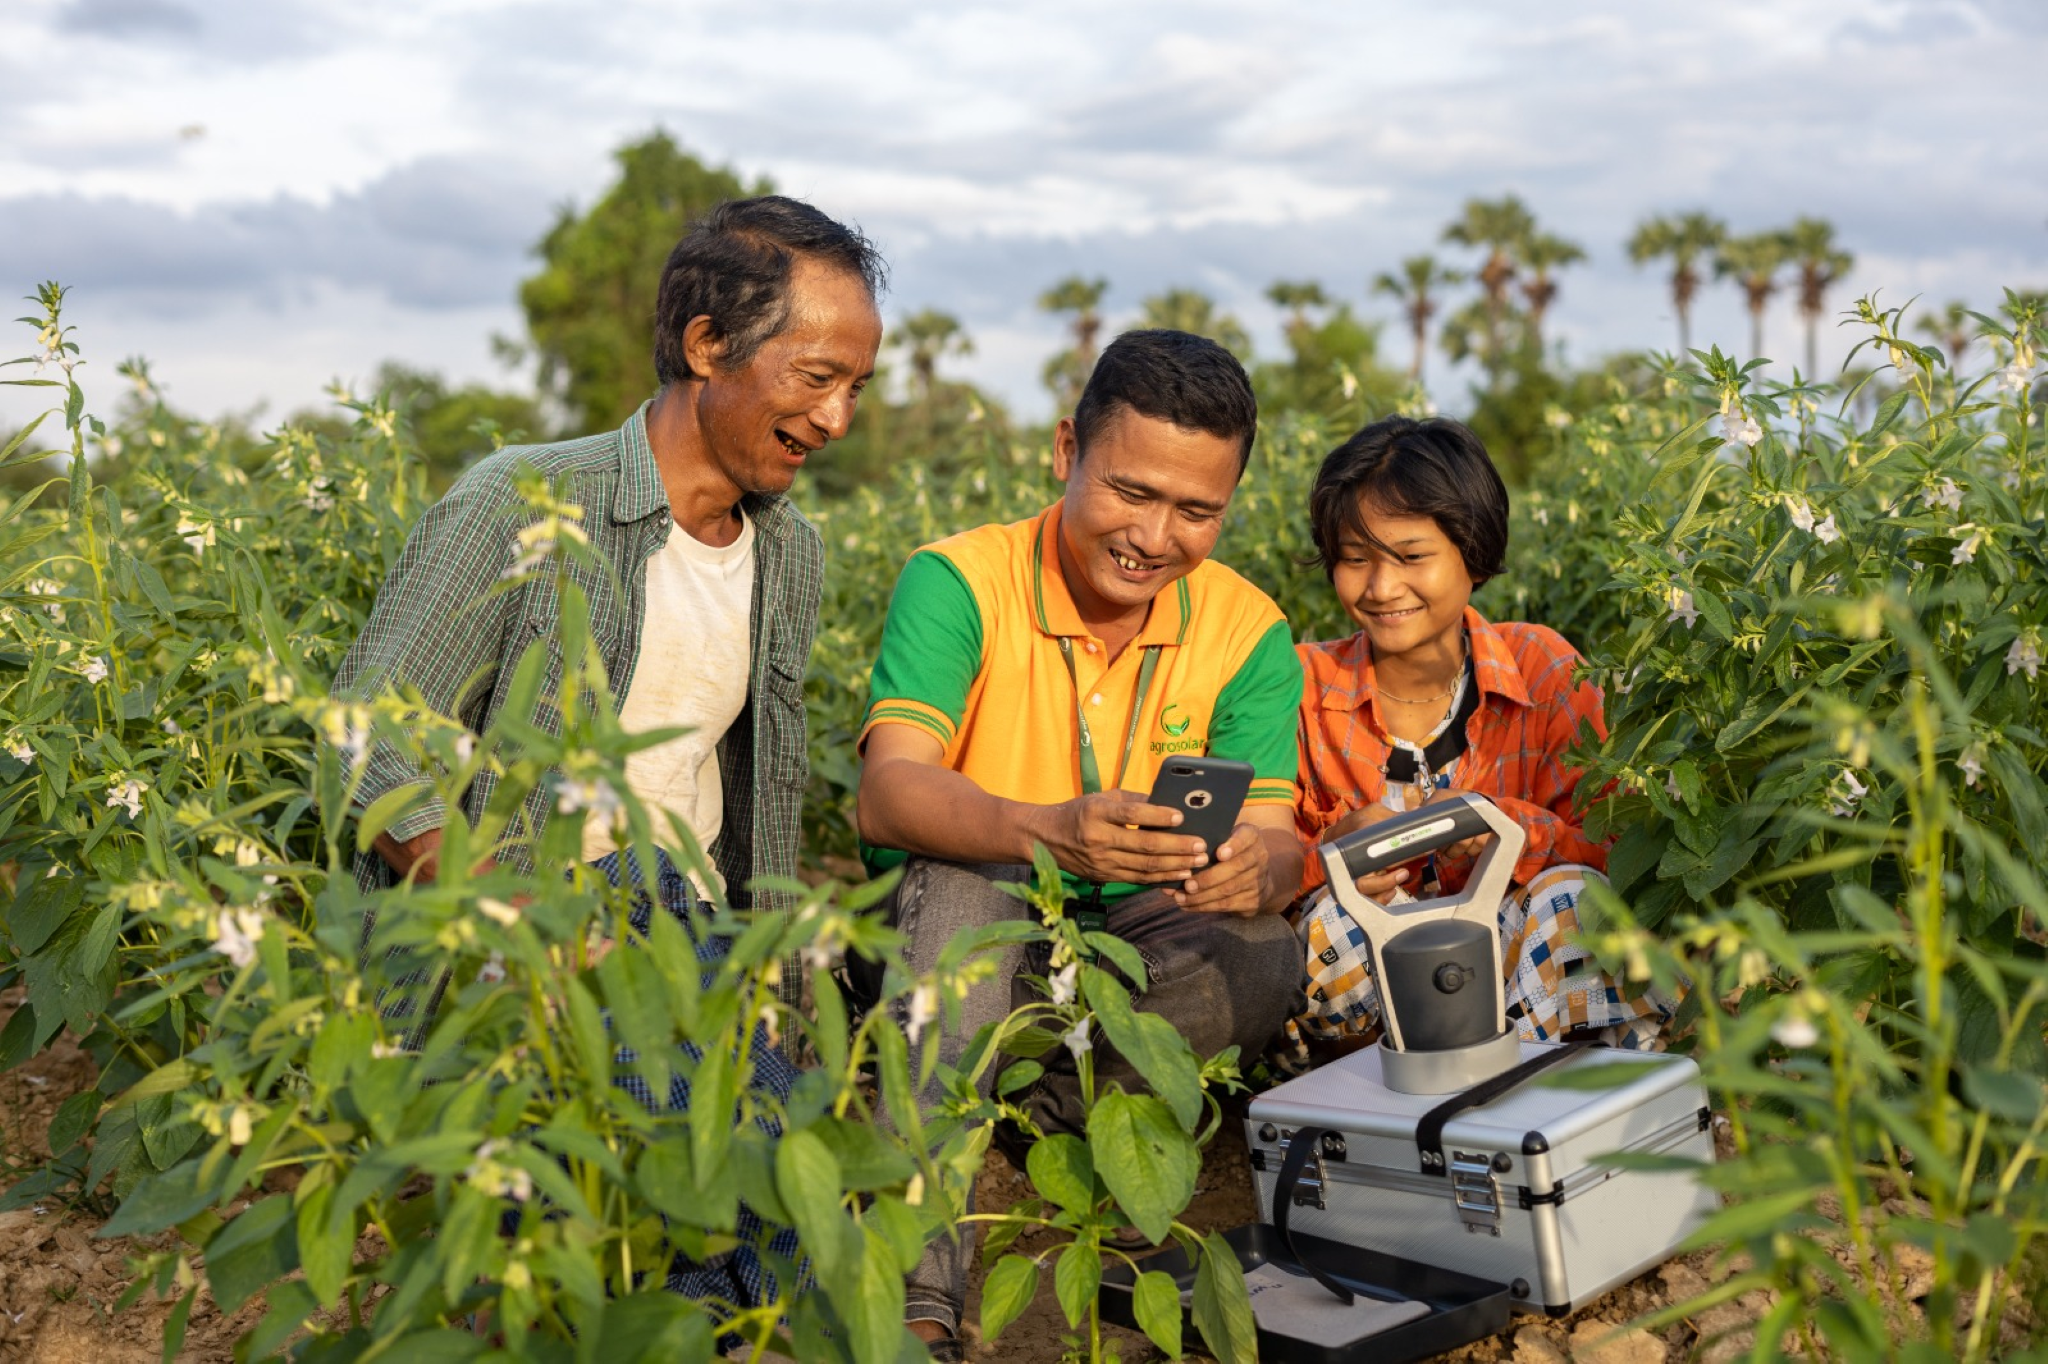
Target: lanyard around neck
<point>1091,774</point>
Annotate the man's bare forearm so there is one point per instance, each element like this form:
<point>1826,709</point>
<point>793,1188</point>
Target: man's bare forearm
<point>1283,868</point>
<point>422,851</point>
<point>932,811</point>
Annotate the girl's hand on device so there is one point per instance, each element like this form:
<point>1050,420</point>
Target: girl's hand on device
<point>1380,885</point>
<point>1236,884</point>
<point>1118,836</point>
<point>1465,850</point>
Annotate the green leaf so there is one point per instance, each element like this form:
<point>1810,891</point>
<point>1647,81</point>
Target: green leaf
<point>252,1252</point>
<point>1123,956</point>
<point>326,1245</point>
<point>174,1327</point>
<point>2003,1092</point>
<point>17,1039</point>
<point>875,1309</point>
<point>1153,1046</point>
<point>1061,1170</point>
<point>164,1201</point>
<point>1223,1309</point>
<point>384,812</point>
<point>41,906</point>
<point>807,1177</point>
<point>73,1120</point>
<point>652,1325</point>
<point>868,1157</point>
<point>1155,1303</point>
<point>1076,1279</point>
<point>1146,1159</point>
<point>1008,1290</point>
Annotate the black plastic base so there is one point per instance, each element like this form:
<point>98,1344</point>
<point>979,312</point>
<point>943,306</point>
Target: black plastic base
<point>1462,1308</point>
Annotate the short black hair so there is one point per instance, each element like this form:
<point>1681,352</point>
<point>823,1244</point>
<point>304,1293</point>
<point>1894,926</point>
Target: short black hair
<point>733,266</point>
<point>1170,376</point>
<point>1436,468</point>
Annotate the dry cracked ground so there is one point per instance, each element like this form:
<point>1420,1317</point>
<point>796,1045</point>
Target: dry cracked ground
<point>59,1283</point>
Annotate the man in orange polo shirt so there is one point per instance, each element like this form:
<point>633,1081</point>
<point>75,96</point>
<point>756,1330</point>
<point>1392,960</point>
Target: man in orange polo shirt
<point>1033,679</point>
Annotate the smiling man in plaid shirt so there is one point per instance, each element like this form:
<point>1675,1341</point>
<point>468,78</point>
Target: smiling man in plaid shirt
<point>702,610</point>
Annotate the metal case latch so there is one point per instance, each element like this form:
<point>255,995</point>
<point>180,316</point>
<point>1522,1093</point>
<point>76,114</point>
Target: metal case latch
<point>1308,1191</point>
<point>1474,1191</point>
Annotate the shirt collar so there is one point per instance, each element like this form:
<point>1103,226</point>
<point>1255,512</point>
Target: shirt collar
<point>1493,668</point>
<point>1053,609</point>
<point>641,492</point>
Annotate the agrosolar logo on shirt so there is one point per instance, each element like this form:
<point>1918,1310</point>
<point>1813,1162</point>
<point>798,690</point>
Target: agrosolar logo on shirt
<point>1176,722</point>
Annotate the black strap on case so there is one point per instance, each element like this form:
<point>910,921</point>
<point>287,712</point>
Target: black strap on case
<point>1304,1143</point>
<point>1429,1129</point>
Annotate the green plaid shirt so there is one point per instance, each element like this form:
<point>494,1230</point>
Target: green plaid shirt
<point>434,627</point>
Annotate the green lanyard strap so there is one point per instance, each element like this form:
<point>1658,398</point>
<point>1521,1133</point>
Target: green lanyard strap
<point>1091,775</point>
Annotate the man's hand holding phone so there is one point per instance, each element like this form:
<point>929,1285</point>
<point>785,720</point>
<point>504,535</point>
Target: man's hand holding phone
<point>1236,884</point>
<point>1120,836</point>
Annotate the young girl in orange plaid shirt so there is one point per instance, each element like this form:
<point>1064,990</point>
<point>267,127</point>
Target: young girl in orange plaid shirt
<point>1429,699</point>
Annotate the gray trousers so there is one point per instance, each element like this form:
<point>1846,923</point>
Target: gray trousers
<point>1221,980</point>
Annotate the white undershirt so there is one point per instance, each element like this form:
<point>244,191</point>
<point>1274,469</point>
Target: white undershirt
<point>695,652</point>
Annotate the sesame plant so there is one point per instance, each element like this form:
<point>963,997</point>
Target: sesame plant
<point>1135,1165</point>
<point>475,1180</point>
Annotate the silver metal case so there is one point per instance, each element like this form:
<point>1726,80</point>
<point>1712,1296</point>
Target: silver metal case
<point>1525,1199</point>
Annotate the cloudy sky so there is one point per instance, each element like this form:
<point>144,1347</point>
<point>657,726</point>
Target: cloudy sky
<point>264,195</point>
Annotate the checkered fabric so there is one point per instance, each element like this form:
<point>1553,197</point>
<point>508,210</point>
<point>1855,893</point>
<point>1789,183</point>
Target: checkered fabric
<point>741,1277</point>
<point>1553,986</point>
<point>1530,713</point>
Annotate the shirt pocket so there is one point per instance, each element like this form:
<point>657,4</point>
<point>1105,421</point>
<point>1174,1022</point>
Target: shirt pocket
<point>783,723</point>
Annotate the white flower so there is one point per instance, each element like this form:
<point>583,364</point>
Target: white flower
<point>1802,515</point>
<point>1971,765</point>
<point>1967,550</point>
<point>2016,376</point>
<point>1681,605</point>
<point>21,753</point>
<point>2024,653</point>
<point>235,934</point>
<point>319,498</point>
<point>1076,1039</point>
<point>384,1051</point>
<point>1671,786</point>
<point>1349,383</point>
<point>2011,479</point>
<point>95,670</point>
<point>493,969</point>
<point>595,796</point>
<point>1065,984</point>
<point>45,587</point>
<point>465,747</point>
<point>1738,429</point>
<point>1827,532</point>
<point>500,1181</point>
<point>241,1125</point>
<point>126,795</point>
<point>1846,794</point>
<point>497,911</point>
<point>924,1008</point>
<point>1946,495</point>
<point>1541,516</point>
<point>197,535</point>
<point>1795,1031</point>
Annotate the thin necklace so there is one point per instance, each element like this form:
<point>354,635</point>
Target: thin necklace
<point>1456,678</point>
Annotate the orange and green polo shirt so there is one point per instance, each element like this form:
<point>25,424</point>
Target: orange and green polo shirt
<point>971,654</point>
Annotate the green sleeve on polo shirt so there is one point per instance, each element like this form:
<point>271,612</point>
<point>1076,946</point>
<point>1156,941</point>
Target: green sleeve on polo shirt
<point>1256,715</point>
<point>931,649</point>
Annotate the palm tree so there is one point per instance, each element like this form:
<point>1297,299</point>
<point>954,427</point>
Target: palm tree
<point>1190,310</point>
<point>1497,227</point>
<point>1820,263</point>
<point>1297,296</point>
<point>1540,254</point>
<point>926,337</point>
<point>1415,290</point>
<point>1067,372</point>
<point>1684,238</point>
<point>1753,262</point>
<point>1951,330</point>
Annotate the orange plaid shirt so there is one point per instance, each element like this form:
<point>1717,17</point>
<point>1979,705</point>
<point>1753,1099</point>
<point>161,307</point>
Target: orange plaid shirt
<point>1530,712</point>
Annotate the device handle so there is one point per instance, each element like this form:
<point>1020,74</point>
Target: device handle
<point>1411,834</point>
